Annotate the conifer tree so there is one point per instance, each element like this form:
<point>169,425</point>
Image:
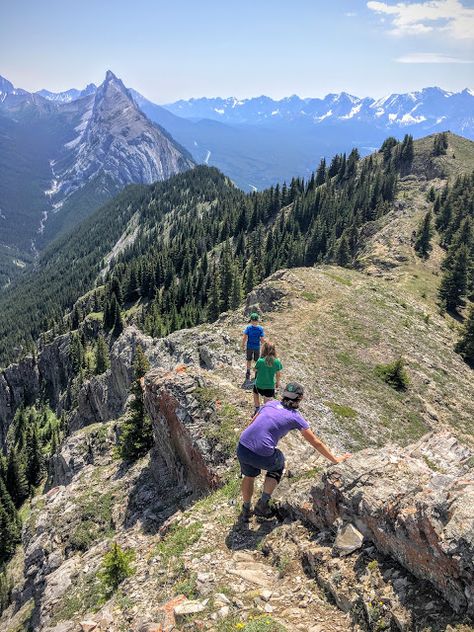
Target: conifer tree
<point>423,237</point>
<point>10,510</point>
<point>227,274</point>
<point>35,460</point>
<point>236,296</point>
<point>118,323</point>
<point>250,279</point>
<point>137,435</point>
<point>76,352</point>
<point>102,361</point>
<point>17,483</point>
<point>116,567</point>
<point>343,257</point>
<point>214,309</point>
<point>454,282</point>
<point>465,345</point>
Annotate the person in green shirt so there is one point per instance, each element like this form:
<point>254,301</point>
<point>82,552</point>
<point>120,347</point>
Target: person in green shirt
<point>267,375</point>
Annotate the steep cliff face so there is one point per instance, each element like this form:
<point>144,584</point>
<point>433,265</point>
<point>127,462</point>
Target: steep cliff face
<point>183,454</point>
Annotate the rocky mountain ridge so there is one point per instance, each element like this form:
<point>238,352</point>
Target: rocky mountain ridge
<point>427,109</point>
<point>387,536</point>
<point>71,157</point>
<point>287,137</point>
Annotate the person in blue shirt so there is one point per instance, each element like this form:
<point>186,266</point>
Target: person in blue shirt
<point>253,337</point>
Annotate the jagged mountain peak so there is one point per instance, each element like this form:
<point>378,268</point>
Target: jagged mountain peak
<point>5,85</point>
<point>115,138</point>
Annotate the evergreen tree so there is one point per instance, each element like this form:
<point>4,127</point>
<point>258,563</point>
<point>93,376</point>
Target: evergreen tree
<point>76,352</point>
<point>440,144</point>
<point>465,345</point>
<point>137,435</point>
<point>343,257</point>
<point>35,460</point>
<point>214,309</point>
<point>102,361</point>
<point>250,279</point>
<point>236,296</point>
<point>116,567</point>
<point>454,282</point>
<point>118,323</point>
<point>10,525</point>
<point>423,236</point>
<point>227,274</point>
<point>17,484</point>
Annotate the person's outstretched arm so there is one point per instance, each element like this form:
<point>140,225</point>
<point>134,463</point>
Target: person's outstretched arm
<point>311,438</point>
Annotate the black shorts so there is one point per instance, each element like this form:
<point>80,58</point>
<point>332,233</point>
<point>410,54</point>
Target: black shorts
<point>266,392</point>
<point>253,354</point>
<point>251,464</point>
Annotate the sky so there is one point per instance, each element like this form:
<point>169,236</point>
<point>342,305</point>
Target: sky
<point>174,49</point>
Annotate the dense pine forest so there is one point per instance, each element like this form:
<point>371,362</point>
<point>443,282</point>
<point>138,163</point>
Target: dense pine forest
<point>200,243</point>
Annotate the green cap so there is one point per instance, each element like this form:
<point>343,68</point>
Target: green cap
<point>254,316</point>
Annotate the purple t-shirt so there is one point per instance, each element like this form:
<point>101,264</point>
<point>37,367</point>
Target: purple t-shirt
<point>273,422</point>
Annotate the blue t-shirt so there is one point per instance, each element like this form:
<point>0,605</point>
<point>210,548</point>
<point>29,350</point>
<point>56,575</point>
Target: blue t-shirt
<point>272,423</point>
<point>254,333</point>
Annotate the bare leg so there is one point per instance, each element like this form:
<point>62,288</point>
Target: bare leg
<point>267,399</point>
<point>247,488</point>
<point>256,399</point>
<point>269,485</point>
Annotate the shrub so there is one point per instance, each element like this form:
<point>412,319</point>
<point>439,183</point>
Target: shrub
<point>394,374</point>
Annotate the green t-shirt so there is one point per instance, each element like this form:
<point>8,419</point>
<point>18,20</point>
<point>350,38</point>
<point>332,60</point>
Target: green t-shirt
<point>266,374</point>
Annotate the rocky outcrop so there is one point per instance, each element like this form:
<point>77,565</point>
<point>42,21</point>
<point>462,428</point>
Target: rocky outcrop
<point>415,504</point>
<point>183,454</point>
<point>55,369</point>
<point>19,385</point>
<point>273,294</point>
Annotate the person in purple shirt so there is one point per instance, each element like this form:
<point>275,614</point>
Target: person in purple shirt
<point>257,449</point>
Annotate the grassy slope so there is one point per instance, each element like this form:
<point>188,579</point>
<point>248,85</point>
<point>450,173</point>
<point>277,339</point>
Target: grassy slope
<point>342,323</point>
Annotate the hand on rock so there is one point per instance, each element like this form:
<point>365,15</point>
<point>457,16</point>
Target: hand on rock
<point>344,457</point>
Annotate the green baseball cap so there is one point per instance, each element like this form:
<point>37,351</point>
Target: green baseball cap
<point>293,390</point>
<point>254,316</point>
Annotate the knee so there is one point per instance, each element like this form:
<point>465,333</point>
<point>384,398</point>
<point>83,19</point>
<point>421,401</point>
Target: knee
<point>276,475</point>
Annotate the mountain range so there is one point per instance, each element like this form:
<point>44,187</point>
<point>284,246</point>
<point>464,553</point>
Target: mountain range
<point>260,141</point>
<point>61,158</point>
<point>75,149</point>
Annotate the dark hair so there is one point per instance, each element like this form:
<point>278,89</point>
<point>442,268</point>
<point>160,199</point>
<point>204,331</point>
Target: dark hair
<point>291,404</point>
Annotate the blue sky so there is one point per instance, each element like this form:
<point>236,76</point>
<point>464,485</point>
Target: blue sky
<point>184,48</point>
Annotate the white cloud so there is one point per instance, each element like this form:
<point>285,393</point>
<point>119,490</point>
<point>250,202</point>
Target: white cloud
<point>419,18</point>
<point>350,14</point>
<point>431,58</point>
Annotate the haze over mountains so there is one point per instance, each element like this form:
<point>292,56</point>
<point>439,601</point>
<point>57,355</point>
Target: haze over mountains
<point>70,156</point>
<point>260,141</point>
<point>73,150</point>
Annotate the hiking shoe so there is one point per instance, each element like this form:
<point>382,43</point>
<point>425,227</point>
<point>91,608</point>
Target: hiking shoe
<point>245,514</point>
<point>263,509</point>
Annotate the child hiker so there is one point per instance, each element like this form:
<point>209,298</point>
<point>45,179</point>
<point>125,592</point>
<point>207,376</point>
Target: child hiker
<point>257,449</point>
<point>253,336</point>
<point>267,377</point>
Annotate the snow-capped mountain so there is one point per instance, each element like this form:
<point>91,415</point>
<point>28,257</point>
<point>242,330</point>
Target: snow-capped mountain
<point>68,95</point>
<point>429,108</point>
